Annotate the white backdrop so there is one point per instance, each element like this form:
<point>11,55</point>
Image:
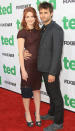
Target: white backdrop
<point>11,12</point>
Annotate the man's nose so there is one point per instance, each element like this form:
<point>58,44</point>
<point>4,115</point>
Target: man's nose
<point>43,15</point>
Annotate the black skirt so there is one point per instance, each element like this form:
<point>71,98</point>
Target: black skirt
<point>26,92</point>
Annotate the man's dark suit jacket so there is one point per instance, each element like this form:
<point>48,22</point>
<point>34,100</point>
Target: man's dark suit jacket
<point>50,49</point>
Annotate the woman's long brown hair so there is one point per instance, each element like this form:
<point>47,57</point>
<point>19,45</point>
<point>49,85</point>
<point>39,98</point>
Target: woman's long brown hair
<point>24,24</point>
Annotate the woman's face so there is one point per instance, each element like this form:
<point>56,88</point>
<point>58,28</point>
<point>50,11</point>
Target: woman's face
<point>29,18</point>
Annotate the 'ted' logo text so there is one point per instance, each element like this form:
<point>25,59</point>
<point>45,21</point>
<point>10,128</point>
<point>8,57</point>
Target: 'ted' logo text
<point>69,64</point>
<point>6,10</point>
<point>69,102</point>
<point>50,1</point>
<point>68,24</point>
<point>18,24</point>
<point>0,80</point>
<point>7,41</point>
<point>9,70</point>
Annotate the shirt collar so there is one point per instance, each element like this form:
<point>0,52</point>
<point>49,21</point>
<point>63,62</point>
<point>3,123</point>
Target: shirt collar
<point>46,26</point>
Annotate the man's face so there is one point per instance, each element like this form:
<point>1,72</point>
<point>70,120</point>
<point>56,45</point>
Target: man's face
<point>45,15</point>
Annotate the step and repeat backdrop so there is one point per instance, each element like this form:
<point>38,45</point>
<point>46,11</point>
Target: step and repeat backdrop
<point>11,12</point>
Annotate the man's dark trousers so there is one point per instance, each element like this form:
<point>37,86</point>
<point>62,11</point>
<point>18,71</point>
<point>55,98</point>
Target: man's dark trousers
<point>56,100</point>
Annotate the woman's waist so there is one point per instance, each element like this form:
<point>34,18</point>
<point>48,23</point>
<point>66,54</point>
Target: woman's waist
<point>31,60</point>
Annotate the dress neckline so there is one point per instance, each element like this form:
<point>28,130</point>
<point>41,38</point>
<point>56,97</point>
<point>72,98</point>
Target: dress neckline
<point>30,30</point>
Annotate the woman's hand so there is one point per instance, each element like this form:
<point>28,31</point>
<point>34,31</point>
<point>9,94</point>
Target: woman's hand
<point>24,75</point>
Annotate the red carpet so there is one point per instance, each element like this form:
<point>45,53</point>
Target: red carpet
<point>12,114</point>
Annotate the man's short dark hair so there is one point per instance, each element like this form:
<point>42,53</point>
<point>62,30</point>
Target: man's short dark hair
<point>46,5</point>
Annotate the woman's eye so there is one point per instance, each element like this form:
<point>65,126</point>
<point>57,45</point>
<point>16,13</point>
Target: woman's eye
<point>32,16</point>
<point>27,16</point>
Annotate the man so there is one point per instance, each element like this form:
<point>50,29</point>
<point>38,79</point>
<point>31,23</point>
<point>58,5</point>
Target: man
<point>49,63</point>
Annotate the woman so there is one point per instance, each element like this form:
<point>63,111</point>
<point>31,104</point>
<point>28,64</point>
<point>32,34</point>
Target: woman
<point>29,38</point>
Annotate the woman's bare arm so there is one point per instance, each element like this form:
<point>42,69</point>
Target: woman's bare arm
<point>21,42</point>
<point>21,51</point>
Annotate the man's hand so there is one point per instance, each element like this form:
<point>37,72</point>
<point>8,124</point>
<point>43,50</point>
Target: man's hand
<point>27,55</point>
<point>51,78</point>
